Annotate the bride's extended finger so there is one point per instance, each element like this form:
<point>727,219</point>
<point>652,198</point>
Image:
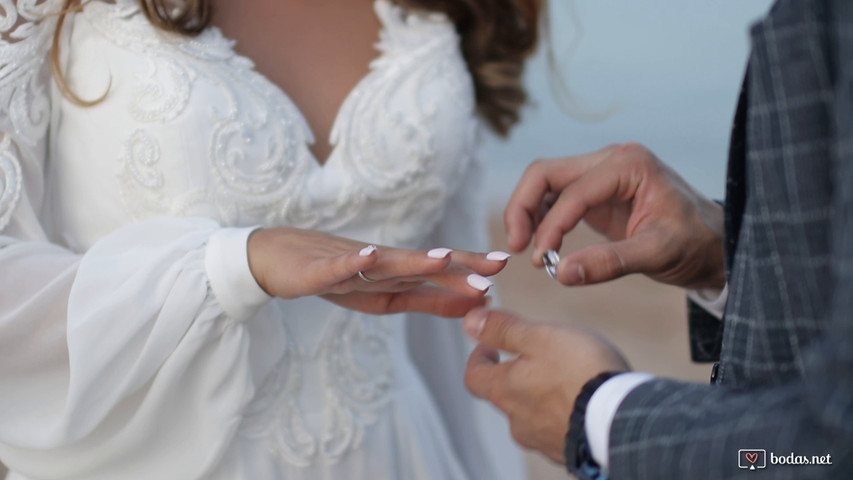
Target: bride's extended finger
<point>405,265</point>
<point>486,264</point>
<point>434,300</point>
<point>424,299</point>
<point>468,272</point>
<point>461,280</point>
<point>340,268</point>
<point>357,283</point>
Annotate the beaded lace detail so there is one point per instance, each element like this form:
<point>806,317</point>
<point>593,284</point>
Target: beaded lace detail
<point>27,29</point>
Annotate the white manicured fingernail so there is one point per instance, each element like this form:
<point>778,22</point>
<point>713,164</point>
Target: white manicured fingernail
<point>367,251</point>
<point>439,252</point>
<point>479,282</point>
<point>497,256</point>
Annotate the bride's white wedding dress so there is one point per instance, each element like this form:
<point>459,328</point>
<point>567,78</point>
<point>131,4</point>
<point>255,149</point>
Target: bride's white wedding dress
<point>134,343</point>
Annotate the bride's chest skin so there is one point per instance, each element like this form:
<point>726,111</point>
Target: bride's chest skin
<point>316,51</point>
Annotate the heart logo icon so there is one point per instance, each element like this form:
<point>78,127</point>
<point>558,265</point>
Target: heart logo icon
<point>751,457</point>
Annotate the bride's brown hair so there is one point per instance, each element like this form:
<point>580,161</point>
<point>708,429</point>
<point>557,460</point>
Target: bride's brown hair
<point>497,36</point>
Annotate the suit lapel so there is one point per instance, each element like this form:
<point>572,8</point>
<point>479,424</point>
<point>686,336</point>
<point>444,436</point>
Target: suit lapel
<point>736,176</point>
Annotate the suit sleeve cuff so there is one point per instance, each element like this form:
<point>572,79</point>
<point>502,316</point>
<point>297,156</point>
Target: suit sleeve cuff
<point>227,264</point>
<point>711,300</point>
<point>602,409</point>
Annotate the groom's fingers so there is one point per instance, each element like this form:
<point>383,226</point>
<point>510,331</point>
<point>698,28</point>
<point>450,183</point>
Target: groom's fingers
<point>501,330</point>
<point>611,260</point>
<point>523,210</point>
<point>482,376</point>
<point>599,186</point>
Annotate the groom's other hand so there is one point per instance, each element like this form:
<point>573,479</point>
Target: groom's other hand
<point>654,221</point>
<point>536,390</point>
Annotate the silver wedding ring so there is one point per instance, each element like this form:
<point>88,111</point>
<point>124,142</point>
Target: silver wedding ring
<point>365,278</point>
<point>551,259</point>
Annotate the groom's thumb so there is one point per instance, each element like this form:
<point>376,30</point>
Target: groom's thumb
<point>610,260</point>
<point>500,330</point>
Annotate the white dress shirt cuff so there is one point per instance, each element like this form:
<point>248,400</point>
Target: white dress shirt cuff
<point>227,263</point>
<point>602,409</point>
<point>712,300</point>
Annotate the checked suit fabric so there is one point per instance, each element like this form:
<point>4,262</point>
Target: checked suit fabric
<point>785,380</point>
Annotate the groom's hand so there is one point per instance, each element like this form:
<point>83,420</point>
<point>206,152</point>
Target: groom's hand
<point>537,390</point>
<point>655,223</point>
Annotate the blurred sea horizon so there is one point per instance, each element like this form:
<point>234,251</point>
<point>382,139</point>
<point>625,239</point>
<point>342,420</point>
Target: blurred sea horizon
<point>669,72</point>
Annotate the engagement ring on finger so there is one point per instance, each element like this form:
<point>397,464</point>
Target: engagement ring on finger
<point>551,259</point>
<point>365,278</point>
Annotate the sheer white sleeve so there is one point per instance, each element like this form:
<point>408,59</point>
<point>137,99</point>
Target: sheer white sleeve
<point>92,343</point>
<point>440,348</point>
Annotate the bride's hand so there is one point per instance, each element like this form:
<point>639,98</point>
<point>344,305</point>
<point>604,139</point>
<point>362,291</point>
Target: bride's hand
<point>290,263</point>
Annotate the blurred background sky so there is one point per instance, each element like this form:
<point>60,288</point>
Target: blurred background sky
<point>670,69</point>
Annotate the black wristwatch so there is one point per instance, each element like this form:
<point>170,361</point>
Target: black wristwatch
<point>579,460</point>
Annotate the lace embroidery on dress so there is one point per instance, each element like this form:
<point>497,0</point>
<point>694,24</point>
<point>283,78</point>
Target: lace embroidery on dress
<point>359,373</point>
<point>355,352</point>
<point>10,180</point>
<point>27,29</point>
<point>246,188</point>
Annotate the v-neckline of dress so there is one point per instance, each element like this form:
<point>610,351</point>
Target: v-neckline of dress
<point>349,97</point>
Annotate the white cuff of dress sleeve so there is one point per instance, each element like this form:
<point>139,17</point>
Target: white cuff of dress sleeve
<point>712,300</point>
<point>602,409</point>
<point>227,263</point>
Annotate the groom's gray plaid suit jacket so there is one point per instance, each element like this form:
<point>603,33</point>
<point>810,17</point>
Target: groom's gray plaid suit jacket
<point>785,381</point>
